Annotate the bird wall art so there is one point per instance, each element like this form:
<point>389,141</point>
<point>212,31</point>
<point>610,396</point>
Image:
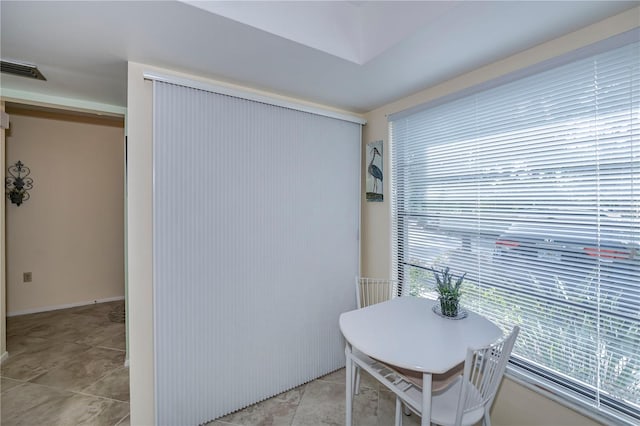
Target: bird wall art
<point>374,171</point>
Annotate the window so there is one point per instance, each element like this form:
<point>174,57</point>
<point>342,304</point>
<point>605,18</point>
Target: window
<point>531,186</point>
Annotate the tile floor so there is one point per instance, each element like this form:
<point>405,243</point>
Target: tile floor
<point>66,368</point>
<point>321,402</point>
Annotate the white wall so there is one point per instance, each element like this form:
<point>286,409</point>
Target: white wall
<point>376,217</point>
<point>69,234</point>
<point>3,295</point>
<point>140,246</point>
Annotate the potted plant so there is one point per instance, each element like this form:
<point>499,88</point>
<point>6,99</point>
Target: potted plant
<point>448,292</point>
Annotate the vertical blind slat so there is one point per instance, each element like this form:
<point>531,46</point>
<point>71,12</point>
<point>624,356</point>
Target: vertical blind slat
<point>255,249</point>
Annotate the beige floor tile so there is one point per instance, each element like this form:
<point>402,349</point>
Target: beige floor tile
<point>117,340</point>
<point>34,362</point>
<point>125,422</point>
<point>98,310</point>
<point>338,376</point>
<point>323,403</point>
<point>63,325</point>
<point>17,325</point>
<point>77,329</point>
<point>22,367</point>
<point>112,412</point>
<point>367,380</point>
<point>335,377</point>
<point>276,411</point>
<point>41,328</point>
<point>7,383</point>
<point>83,370</point>
<point>387,411</point>
<point>32,404</point>
<point>365,407</point>
<point>20,343</point>
<point>19,402</point>
<point>113,385</point>
<point>111,335</point>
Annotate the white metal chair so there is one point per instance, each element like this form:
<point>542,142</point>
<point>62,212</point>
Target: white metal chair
<point>370,291</point>
<point>469,397</point>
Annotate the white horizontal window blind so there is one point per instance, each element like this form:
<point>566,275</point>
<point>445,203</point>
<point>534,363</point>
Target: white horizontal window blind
<point>256,215</point>
<point>532,188</point>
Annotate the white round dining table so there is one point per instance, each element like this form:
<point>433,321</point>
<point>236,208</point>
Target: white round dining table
<point>406,332</point>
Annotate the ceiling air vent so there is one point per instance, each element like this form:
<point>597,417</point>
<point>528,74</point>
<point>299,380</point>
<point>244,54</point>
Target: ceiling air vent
<point>21,69</point>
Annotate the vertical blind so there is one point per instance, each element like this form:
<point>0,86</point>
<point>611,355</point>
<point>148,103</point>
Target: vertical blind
<point>256,215</point>
<point>532,188</point>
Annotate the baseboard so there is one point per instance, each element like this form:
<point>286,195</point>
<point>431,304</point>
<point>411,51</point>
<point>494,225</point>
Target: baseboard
<point>70,305</point>
<point>4,356</point>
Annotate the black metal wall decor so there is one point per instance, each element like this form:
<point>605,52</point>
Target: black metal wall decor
<point>18,183</point>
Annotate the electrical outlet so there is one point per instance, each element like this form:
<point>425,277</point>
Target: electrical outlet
<point>26,277</point>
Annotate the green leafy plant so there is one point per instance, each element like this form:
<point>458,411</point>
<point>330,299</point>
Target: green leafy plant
<point>448,291</point>
<point>445,285</point>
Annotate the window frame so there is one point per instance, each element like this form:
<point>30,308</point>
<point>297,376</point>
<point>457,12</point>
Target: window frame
<point>527,375</point>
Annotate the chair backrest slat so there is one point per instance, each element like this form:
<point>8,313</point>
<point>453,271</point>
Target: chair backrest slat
<point>483,371</point>
<point>370,291</point>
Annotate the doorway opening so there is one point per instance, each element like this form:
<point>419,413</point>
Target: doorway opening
<point>65,256</point>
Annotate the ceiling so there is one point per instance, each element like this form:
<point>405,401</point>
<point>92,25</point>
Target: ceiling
<point>353,55</point>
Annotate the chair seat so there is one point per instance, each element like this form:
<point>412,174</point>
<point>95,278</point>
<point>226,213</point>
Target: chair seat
<point>482,372</point>
<point>445,404</point>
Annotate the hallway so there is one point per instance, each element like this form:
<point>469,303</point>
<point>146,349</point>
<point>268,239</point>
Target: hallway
<point>66,367</point>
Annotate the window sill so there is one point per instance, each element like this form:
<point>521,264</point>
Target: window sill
<point>559,395</point>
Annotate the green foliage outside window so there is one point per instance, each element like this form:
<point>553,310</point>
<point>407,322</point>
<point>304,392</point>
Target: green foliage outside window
<point>542,342</point>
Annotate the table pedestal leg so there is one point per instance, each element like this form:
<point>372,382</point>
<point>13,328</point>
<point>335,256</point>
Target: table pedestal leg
<point>398,412</point>
<point>426,399</point>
